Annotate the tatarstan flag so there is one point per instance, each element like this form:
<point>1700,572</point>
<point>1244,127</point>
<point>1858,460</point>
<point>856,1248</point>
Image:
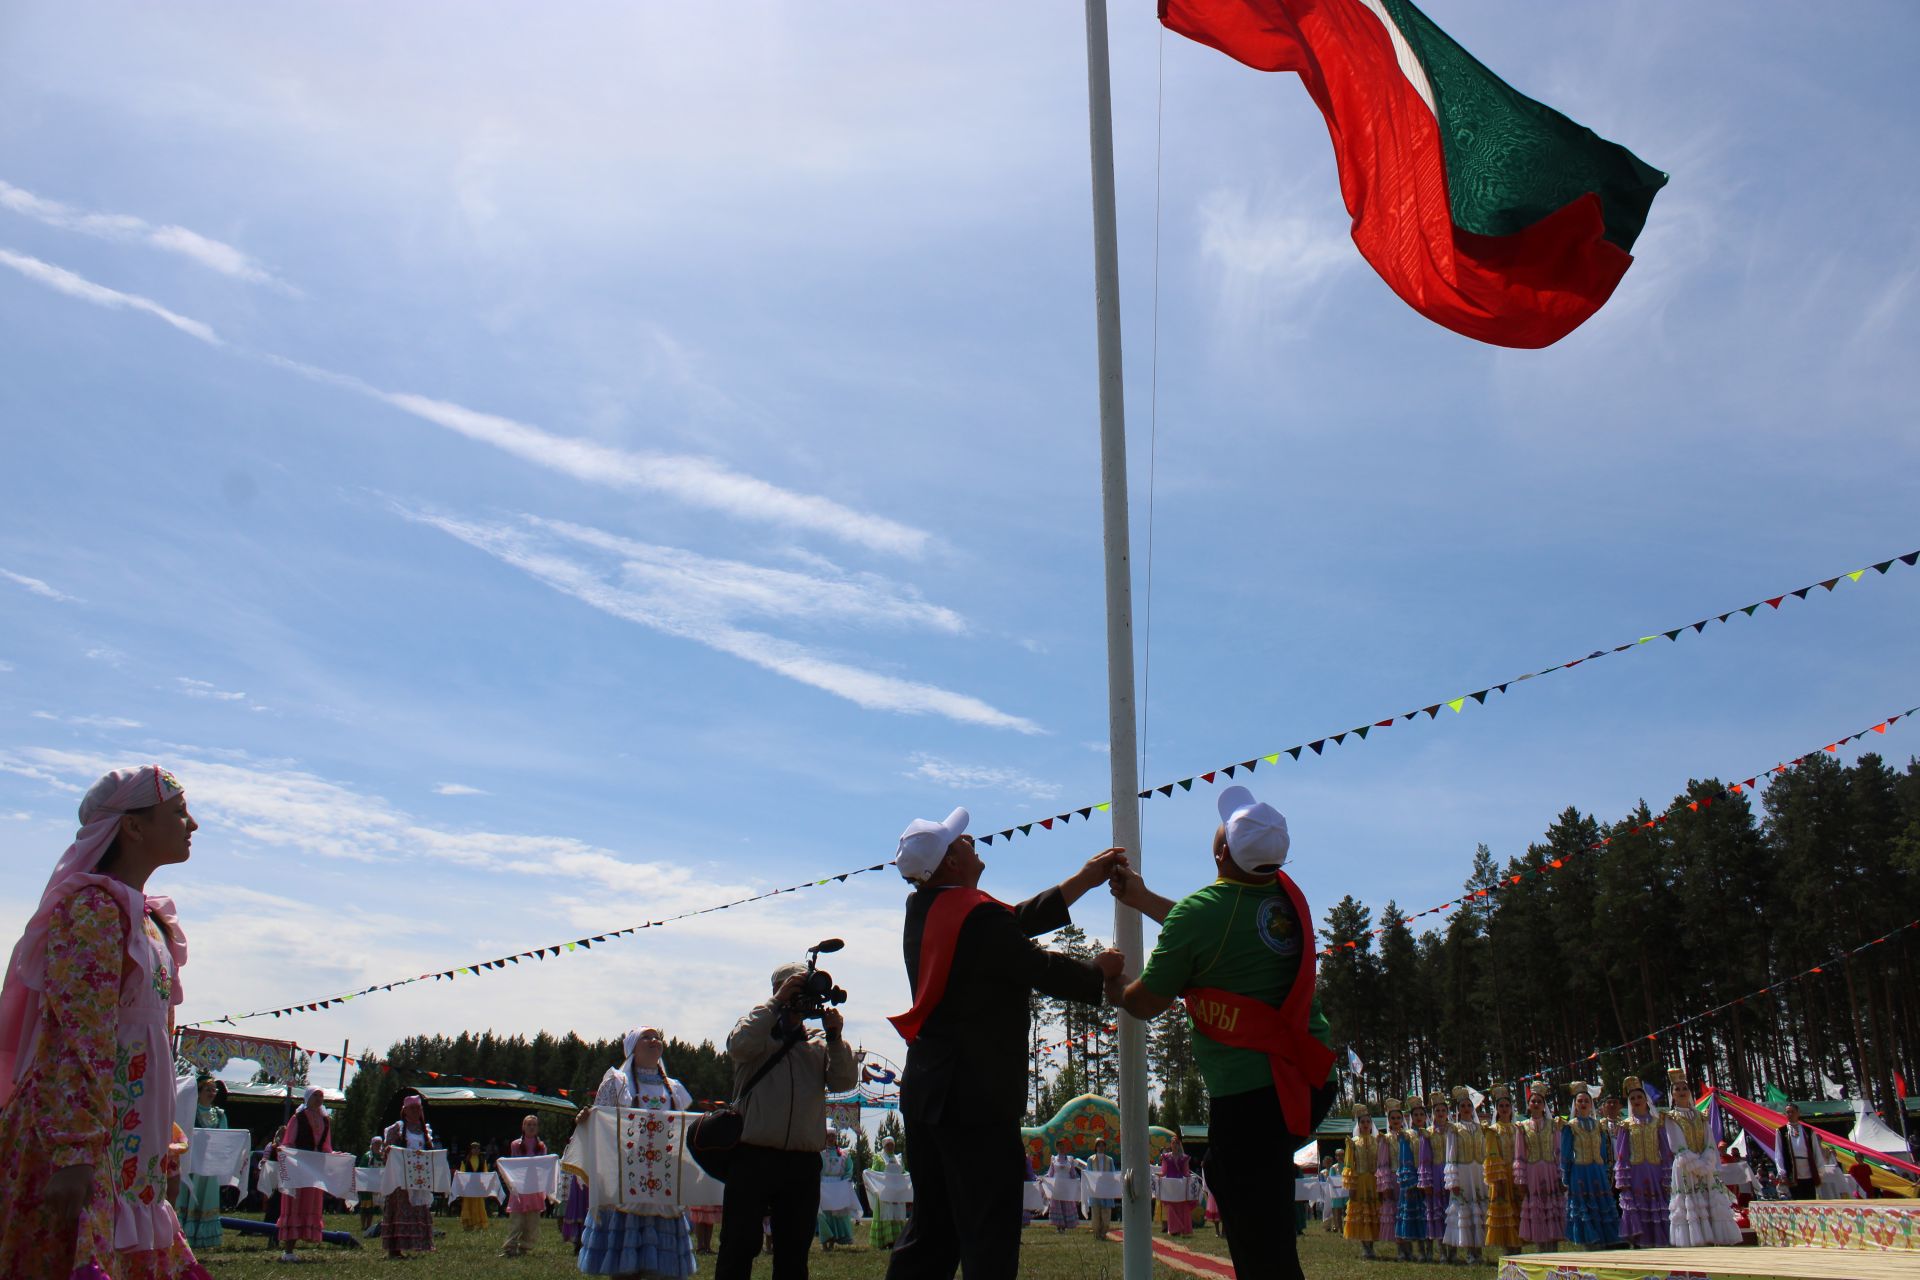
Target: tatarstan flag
<point>1488,212</point>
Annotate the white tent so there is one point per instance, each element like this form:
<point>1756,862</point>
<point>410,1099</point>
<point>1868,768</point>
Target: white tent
<point>1870,1131</point>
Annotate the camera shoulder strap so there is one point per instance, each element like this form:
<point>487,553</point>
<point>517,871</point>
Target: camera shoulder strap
<point>769,1065</point>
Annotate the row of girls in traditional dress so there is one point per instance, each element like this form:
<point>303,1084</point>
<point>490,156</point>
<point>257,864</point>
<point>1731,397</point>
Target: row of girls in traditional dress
<point>1439,1177</point>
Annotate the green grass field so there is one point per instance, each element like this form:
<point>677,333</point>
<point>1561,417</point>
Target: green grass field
<point>1044,1255</point>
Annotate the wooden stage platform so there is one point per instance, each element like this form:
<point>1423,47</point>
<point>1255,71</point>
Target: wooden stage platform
<point>1732,1263</point>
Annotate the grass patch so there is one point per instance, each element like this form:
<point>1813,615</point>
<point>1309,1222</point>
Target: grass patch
<point>1044,1255</point>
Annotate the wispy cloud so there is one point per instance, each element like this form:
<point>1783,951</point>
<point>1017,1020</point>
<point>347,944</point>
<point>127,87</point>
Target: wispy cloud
<point>206,689</point>
<point>696,481</point>
<point>36,586</point>
<point>694,598</point>
<point>975,777</point>
<point>730,586</point>
<point>1265,259</point>
<point>285,807</point>
<point>215,255</point>
<point>706,483</point>
<point>74,286</point>
<point>89,722</point>
<point>458,789</point>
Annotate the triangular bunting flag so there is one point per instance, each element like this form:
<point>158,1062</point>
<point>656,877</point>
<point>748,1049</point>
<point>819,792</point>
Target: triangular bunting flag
<point>1480,697</point>
<point>1883,566</point>
<point>1339,738</point>
<point>1775,602</point>
<point>1274,758</point>
<point>1801,594</point>
<point>1087,812</point>
<point>1186,784</point>
<point>1207,778</point>
<point>986,839</point>
<point>1047,823</point>
<point>1317,745</point>
<point>1361,732</point>
<point>1456,704</point>
<point>1294,752</point>
<point>1228,770</point>
<point>1857,574</point>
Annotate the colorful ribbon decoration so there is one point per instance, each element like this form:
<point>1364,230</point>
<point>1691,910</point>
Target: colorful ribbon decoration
<point>1478,696</point>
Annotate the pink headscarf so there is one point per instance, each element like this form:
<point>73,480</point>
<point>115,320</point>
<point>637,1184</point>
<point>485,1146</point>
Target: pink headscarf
<point>101,809</point>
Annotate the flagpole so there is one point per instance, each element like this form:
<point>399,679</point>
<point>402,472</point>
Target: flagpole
<point>1122,743</point>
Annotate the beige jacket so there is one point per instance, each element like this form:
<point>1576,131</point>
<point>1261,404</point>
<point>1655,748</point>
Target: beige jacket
<point>788,1109</point>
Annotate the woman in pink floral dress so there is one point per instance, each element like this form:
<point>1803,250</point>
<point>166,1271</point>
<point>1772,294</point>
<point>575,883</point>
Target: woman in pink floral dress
<point>86,1081</point>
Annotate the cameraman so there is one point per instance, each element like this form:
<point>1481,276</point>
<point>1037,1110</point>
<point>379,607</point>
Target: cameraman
<point>775,1174</point>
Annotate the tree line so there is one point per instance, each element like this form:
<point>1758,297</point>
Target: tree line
<point>1594,948</point>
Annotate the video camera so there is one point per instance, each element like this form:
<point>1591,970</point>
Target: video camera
<point>817,990</point>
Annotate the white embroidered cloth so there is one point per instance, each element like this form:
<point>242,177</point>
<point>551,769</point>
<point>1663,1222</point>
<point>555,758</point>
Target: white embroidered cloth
<point>636,1161</point>
<point>531,1175</point>
<point>476,1185</point>
<point>419,1173</point>
<point>367,1180</point>
<point>220,1154</point>
<point>837,1196</point>
<point>894,1186</point>
<point>331,1171</point>
<point>1177,1190</point>
<point>1104,1184</point>
<point>1032,1198</point>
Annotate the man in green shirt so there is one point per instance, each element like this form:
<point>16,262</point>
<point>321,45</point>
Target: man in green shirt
<point>1240,950</point>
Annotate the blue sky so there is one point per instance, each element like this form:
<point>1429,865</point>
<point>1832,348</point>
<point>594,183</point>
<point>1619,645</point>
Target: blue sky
<point>532,474</point>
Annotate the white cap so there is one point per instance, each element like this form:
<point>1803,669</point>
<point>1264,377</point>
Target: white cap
<point>1256,831</point>
<point>924,843</point>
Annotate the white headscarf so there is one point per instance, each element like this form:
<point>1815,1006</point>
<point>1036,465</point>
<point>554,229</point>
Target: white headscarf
<point>630,1042</point>
<point>101,809</point>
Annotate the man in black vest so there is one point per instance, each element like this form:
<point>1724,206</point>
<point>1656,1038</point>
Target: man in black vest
<point>972,964</point>
<point>1799,1156</point>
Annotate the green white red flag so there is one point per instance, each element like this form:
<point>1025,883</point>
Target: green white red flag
<point>1486,211</point>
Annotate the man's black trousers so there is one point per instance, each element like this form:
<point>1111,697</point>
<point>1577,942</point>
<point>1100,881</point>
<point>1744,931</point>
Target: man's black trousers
<point>1250,1174</point>
<point>968,1183</point>
<point>781,1186</point>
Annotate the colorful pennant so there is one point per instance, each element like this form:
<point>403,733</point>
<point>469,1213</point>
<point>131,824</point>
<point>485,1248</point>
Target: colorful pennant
<point>1455,704</point>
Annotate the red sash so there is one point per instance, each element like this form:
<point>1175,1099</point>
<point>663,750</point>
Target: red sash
<point>937,942</point>
<point>1298,1061</point>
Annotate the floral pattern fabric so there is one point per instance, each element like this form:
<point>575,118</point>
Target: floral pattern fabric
<point>99,1093</point>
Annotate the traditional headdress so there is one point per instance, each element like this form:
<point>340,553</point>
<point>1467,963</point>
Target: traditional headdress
<point>1629,1083</point>
<point>1359,1109</point>
<point>1391,1106</point>
<point>1436,1100</point>
<point>1498,1093</point>
<point>101,809</point>
<point>1578,1088</point>
<point>1538,1089</point>
<point>1461,1095</point>
<point>1677,1079</point>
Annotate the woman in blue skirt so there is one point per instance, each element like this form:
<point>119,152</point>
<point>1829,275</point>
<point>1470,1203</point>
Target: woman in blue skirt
<point>617,1243</point>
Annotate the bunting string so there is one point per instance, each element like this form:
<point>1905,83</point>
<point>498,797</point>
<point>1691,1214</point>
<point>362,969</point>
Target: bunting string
<point>536,953</point>
<point>1653,1037</point>
<point>1507,882</point>
<point>1455,704</point>
<point>555,949</point>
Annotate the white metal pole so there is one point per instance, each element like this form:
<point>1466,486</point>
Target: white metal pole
<point>1122,745</point>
